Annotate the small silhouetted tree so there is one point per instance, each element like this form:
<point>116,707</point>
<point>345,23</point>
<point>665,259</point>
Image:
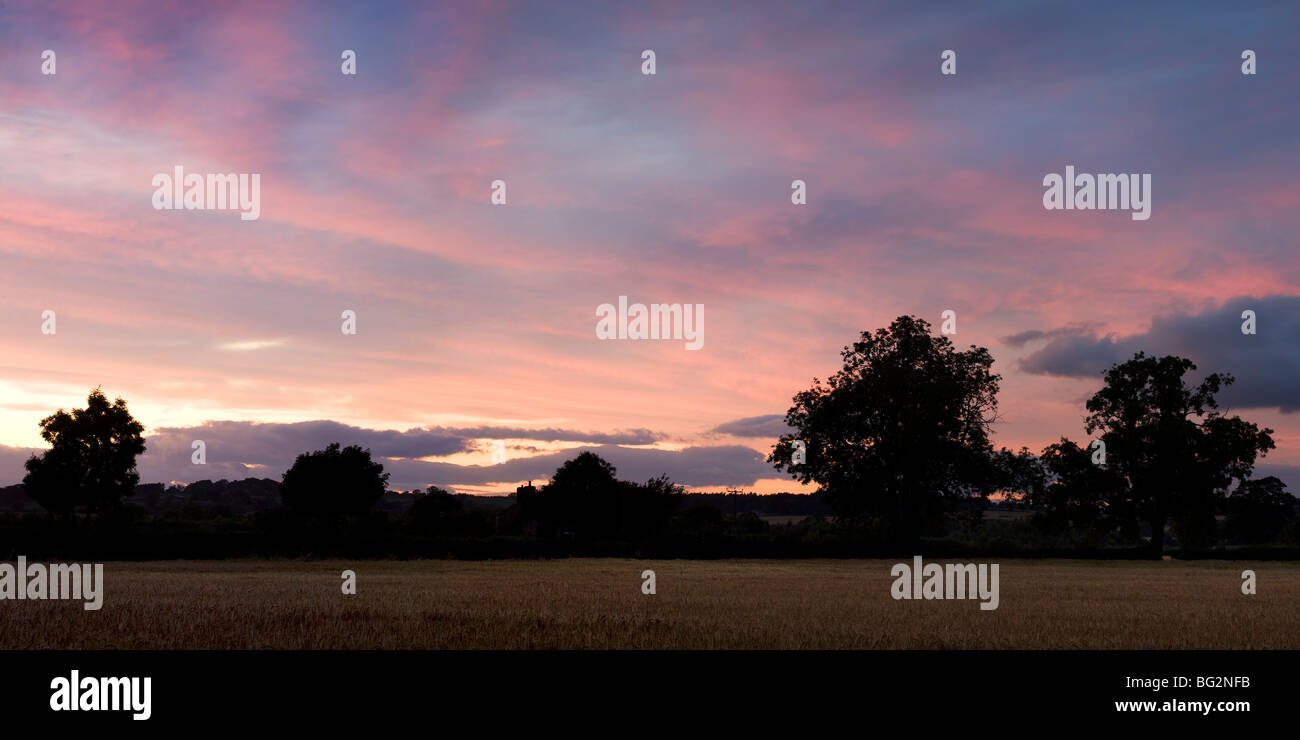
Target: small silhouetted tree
<point>443,514</point>
<point>434,503</point>
<point>91,460</point>
<point>577,498</point>
<point>1260,511</point>
<point>584,500</point>
<point>1177,454</point>
<point>646,509</point>
<point>333,482</point>
<point>900,434</point>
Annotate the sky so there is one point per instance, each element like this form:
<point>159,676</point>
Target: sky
<point>476,322</point>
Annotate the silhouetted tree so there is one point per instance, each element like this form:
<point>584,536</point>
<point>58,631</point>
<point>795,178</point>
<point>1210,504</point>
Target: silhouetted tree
<point>573,500</point>
<point>699,519</point>
<point>444,514</point>
<point>645,509</point>
<point>901,432</point>
<point>1018,473</point>
<point>333,482</point>
<point>586,502</point>
<point>1078,495</point>
<point>1260,510</point>
<point>91,461</point>
<point>1176,453</point>
<point>435,502</point>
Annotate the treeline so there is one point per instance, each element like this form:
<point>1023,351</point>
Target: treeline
<point>900,438</point>
<point>897,443</point>
<point>225,519</point>
<point>766,504</point>
<point>696,532</point>
<point>208,499</point>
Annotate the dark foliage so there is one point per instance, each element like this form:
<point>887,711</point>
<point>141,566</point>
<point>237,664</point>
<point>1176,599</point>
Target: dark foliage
<point>585,502</point>
<point>900,434</point>
<point>1260,511</point>
<point>1176,453</point>
<point>91,460</point>
<point>333,482</point>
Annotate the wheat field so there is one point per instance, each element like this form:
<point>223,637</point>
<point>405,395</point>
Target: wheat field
<point>598,604</point>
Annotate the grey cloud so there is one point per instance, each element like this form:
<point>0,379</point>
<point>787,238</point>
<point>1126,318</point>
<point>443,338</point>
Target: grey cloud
<point>1025,337</point>
<point>244,449</point>
<point>769,425</point>
<point>11,463</point>
<point>618,437</point>
<point>251,442</point>
<point>692,466</point>
<point>1077,356</point>
<point>1265,364</point>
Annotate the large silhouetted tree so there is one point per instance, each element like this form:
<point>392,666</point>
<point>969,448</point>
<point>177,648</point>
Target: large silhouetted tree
<point>1177,453</point>
<point>91,460</point>
<point>332,482</point>
<point>901,432</point>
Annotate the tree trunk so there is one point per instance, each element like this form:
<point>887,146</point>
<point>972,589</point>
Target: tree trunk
<point>1158,535</point>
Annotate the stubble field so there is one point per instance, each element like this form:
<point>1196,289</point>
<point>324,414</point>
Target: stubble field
<point>598,604</point>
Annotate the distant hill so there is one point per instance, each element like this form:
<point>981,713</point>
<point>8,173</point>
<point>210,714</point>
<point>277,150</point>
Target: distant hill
<point>259,494</point>
<point>240,496</point>
<point>14,498</point>
<point>770,504</point>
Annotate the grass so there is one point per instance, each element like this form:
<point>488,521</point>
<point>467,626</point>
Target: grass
<point>598,604</point>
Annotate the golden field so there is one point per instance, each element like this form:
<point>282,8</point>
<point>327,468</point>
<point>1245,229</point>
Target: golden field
<point>598,604</point>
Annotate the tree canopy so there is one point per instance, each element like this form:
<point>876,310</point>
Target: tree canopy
<point>1079,494</point>
<point>1177,454</point>
<point>442,513</point>
<point>586,502</point>
<point>900,434</point>
<point>91,460</point>
<point>1260,510</point>
<point>333,482</point>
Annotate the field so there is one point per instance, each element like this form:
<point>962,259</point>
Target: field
<point>826,604</point>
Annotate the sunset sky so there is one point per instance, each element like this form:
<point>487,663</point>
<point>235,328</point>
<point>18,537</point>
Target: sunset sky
<point>476,322</point>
